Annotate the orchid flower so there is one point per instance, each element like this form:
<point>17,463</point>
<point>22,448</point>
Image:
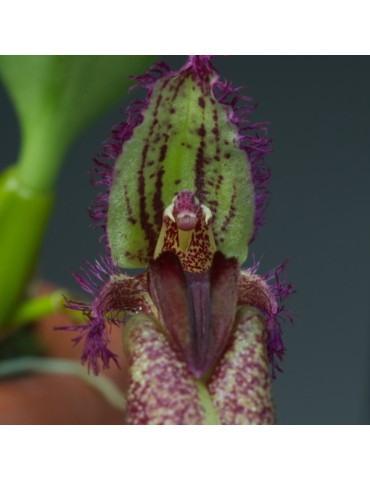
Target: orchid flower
<point>185,192</point>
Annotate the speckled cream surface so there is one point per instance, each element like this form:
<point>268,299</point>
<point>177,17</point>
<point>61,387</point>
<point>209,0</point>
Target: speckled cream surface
<point>162,390</point>
<point>240,386</point>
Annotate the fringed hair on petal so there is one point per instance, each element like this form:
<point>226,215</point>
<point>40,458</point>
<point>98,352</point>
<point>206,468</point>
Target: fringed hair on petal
<point>252,136</point>
<point>96,339</point>
<point>280,290</point>
<point>92,279</point>
<point>95,331</point>
<point>95,275</point>
<point>102,173</point>
<point>253,140</point>
<point>94,334</point>
<point>201,66</point>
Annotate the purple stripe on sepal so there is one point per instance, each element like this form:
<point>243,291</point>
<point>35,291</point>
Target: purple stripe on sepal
<point>252,136</point>
<point>253,140</point>
<point>197,309</point>
<point>103,171</point>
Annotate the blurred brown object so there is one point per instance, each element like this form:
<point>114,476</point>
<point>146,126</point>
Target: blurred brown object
<point>41,399</point>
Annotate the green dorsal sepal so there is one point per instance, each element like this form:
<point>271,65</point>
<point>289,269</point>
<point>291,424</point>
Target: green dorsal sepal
<point>186,141</point>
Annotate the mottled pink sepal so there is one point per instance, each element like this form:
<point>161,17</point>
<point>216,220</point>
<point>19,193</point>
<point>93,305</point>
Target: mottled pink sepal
<point>240,387</point>
<point>162,390</point>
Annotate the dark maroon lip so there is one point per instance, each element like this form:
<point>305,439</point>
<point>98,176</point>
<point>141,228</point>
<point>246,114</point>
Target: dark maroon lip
<point>196,308</point>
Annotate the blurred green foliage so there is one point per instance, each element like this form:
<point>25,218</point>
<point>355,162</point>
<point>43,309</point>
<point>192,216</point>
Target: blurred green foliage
<point>55,98</point>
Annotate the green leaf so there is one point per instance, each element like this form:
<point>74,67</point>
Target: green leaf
<point>56,97</point>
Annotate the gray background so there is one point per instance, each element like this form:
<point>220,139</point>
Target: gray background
<point>318,217</point>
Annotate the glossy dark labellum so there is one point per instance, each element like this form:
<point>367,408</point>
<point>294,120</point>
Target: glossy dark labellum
<point>197,309</point>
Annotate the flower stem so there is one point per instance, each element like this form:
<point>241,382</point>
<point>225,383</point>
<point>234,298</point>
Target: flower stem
<point>40,159</point>
<point>210,415</point>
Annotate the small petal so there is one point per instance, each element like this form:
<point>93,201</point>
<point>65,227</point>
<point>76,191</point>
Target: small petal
<point>258,291</point>
<point>123,293</point>
<point>162,390</point>
<point>240,388</point>
<point>115,294</point>
<point>254,291</point>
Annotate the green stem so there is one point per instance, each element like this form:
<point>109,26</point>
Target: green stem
<point>210,415</point>
<point>40,158</point>
<point>102,384</point>
<point>23,219</point>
